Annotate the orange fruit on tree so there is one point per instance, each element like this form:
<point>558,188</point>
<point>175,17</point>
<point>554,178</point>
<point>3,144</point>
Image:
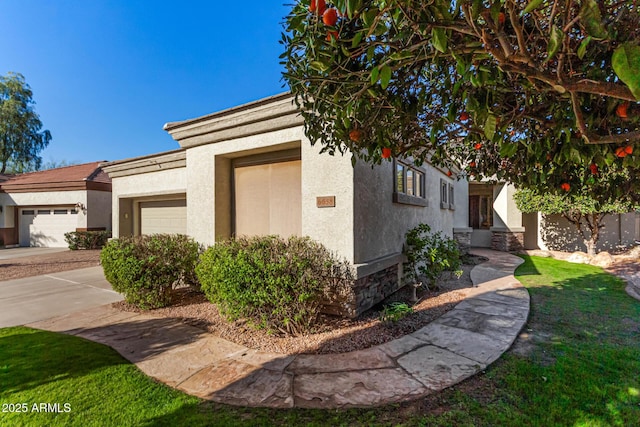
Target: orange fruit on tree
<point>502,18</point>
<point>477,145</point>
<point>330,17</point>
<point>628,149</point>
<point>464,116</point>
<point>565,186</point>
<point>449,173</point>
<point>332,35</point>
<point>472,164</point>
<point>318,6</point>
<point>386,153</point>
<point>621,110</point>
<point>594,168</point>
<point>355,135</point>
<point>620,152</point>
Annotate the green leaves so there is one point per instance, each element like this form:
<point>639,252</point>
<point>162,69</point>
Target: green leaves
<point>582,49</point>
<point>555,41</point>
<point>508,149</point>
<point>405,71</point>
<point>591,18</point>
<point>626,64</point>
<point>321,66</point>
<point>490,126</point>
<point>439,39</point>
<point>533,5</point>
<point>382,74</point>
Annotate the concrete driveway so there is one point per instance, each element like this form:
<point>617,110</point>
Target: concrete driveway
<point>12,253</point>
<point>40,297</point>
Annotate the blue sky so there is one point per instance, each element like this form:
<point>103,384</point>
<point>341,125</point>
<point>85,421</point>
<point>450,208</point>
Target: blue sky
<point>107,74</point>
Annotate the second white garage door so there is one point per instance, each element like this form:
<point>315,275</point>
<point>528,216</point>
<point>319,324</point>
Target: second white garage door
<point>166,216</point>
<point>46,226</point>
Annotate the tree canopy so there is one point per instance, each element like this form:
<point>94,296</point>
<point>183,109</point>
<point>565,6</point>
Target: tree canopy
<point>540,93</point>
<point>21,134</point>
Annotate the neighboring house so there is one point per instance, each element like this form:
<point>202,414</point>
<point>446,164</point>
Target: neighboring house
<point>250,170</point>
<point>496,222</point>
<point>37,208</point>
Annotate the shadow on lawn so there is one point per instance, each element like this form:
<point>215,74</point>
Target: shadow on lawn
<point>30,358</point>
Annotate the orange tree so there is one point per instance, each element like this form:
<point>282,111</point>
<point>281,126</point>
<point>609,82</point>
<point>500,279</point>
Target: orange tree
<point>540,93</point>
<point>584,211</point>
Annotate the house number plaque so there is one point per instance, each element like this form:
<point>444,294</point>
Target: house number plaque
<point>326,202</point>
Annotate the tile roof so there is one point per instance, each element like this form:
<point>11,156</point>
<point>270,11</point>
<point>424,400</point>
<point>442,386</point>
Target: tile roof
<point>53,179</point>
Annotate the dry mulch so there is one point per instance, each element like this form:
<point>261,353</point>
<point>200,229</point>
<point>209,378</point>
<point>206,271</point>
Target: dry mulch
<point>333,334</point>
<point>35,265</point>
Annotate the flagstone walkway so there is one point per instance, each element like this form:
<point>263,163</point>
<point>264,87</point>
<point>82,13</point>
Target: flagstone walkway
<point>456,346</point>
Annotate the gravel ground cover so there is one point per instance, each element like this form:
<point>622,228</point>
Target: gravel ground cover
<point>332,335</point>
<point>36,265</point>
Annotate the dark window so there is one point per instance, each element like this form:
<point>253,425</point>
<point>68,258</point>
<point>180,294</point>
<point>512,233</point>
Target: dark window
<point>29,212</point>
<point>44,212</point>
<point>409,185</point>
<point>59,211</point>
<point>480,212</point>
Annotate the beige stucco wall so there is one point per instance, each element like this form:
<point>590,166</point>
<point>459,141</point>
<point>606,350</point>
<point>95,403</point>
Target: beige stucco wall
<point>209,176</point>
<point>326,175</point>
<point>380,224</point>
<point>201,198</point>
<point>209,188</point>
<point>556,233</point>
<point>99,209</point>
<point>461,213</point>
<point>506,214</point>
<point>160,183</point>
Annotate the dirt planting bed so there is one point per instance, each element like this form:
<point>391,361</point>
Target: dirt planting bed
<point>35,265</point>
<point>332,335</point>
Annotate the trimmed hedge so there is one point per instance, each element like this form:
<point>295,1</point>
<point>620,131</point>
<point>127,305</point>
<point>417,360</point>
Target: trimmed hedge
<point>87,239</point>
<point>146,269</point>
<point>273,283</point>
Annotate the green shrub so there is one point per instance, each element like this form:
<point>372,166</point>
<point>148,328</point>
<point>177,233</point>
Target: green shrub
<point>429,254</point>
<point>146,269</point>
<point>395,311</point>
<point>87,239</point>
<point>272,282</point>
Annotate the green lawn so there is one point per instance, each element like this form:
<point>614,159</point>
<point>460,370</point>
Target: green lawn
<point>580,366</point>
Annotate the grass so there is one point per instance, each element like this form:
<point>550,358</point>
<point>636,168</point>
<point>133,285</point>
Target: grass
<point>578,366</point>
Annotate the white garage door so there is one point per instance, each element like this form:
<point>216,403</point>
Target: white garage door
<point>46,226</point>
<point>167,216</point>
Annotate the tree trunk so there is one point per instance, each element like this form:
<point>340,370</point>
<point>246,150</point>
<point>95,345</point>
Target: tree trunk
<point>594,224</point>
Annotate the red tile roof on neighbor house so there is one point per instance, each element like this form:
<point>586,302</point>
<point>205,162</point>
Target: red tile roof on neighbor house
<point>88,176</point>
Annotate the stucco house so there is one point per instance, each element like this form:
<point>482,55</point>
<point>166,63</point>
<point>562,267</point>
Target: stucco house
<point>250,170</point>
<point>37,208</point>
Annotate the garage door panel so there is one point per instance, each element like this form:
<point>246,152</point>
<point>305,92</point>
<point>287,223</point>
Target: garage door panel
<point>167,216</point>
<point>46,227</point>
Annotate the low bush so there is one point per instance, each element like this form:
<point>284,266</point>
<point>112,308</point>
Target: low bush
<point>429,254</point>
<point>273,283</point>
<point>395,311</point>
<point>87,239</point>
<point>146,269</point>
